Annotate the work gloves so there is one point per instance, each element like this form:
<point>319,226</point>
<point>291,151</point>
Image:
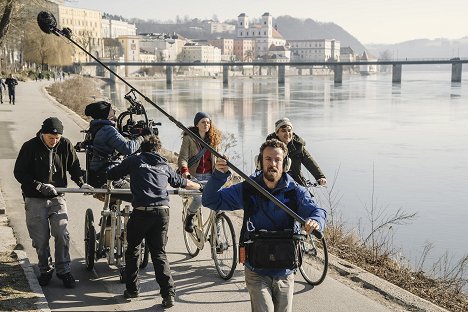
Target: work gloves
<point>46,189</point>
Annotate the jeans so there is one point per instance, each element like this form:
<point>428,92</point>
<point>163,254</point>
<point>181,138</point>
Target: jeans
<point>152,226</point>
<point>197,199</point>
<point>269,293</point>
<point>46,217</point>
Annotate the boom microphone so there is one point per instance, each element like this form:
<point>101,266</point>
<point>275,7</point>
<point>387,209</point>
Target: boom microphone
<point>48,24</point>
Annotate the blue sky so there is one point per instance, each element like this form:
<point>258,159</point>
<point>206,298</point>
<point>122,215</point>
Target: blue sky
<point>371,21</point>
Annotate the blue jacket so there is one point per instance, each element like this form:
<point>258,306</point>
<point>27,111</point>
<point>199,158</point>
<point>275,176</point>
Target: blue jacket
<point>231,198</point>
<point>150,175</point>
<point>107,139</point>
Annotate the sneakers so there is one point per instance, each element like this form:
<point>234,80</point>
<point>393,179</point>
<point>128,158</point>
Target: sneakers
<point>67,279</point>
<point>44,278</point>
<point>130,294</point>
<point>168,301</point>
<point>188,226</point>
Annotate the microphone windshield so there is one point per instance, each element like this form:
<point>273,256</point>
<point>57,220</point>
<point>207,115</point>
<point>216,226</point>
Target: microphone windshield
<point>46,21</point>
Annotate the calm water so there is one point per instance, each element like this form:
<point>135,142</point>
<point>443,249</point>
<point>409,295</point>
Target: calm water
<point>409,141</point>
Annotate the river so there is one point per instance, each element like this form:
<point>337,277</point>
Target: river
<point>407,142</point>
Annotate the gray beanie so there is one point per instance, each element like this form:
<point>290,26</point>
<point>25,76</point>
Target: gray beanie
<point>282,122</point>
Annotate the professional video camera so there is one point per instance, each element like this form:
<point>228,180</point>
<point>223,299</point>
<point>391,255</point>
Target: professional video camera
<point>126,123</point>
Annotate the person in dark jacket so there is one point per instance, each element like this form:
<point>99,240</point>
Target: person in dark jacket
<point>2,85</point>
<point>150,174</point>
<point>11,84</point>
<point>41,166</point>
<point>270,289</point>
<point>297,153</point>
<point>107,143</point>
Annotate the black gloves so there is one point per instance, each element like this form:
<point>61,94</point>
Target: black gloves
<point>46,189</point>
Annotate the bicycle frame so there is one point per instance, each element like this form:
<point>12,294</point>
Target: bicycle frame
<point>204,227</point>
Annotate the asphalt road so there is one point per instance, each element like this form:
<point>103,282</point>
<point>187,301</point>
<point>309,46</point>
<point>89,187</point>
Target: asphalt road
<point>199,288</point>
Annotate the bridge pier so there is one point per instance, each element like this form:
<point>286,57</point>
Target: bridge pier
<point>456,72</point>
<point>225,74</point>
<point>112,77</point>
<point>396,73</point>
<point>338,73</point>
<point>169,74</point>
<point>281,74</point>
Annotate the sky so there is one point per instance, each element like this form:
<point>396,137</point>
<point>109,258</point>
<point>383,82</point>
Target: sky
<point>370,21</point>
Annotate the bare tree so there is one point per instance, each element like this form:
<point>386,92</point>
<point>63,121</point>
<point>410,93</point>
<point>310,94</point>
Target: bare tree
<point>44,49</point>
<point>6,18</point>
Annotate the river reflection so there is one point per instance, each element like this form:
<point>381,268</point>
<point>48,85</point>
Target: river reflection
<point>409,141</point>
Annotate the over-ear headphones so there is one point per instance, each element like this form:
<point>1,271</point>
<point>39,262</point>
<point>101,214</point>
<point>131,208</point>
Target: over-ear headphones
<point>259,163</point>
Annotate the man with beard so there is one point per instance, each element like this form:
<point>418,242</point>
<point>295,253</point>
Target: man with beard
<point>270,288</point>
<point>107,144</point>
<point>297,152</point>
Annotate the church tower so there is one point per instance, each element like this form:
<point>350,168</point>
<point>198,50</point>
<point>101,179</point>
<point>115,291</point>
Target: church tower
<point>242,25</point>
<point>267,25</point>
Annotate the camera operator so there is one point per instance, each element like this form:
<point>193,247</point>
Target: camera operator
<point>108,143</point>
<point>269,276</point>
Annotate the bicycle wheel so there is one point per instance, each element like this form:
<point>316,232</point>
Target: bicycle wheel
<point>225,250</point>
<point>90,240</point>
<point>143,257</point>
<point>190,238</point>
<point>314,260</point>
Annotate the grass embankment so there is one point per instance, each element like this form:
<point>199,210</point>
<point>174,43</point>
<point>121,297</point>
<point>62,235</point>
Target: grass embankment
<point>444,291</point>
<point>15,294</point>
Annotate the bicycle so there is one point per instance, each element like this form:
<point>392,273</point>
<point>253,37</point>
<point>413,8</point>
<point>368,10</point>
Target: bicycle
<point>218,230</point>
<point>314,266</point>
<point>111,240</point>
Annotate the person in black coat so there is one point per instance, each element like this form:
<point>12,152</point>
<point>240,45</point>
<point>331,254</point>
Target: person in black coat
<point>297,153</point>
<point>11,84</point>
<point>40,167</point>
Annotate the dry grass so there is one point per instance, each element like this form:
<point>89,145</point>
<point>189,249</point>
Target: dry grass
<point>15,294</point>
<point>76,93</point>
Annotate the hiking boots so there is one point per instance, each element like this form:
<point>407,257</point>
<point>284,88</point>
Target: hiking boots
<point>188,226</point>
<point>168,301</point>
<point>67,279</point>
<point>44,278</point>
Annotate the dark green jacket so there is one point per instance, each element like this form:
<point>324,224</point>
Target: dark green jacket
<point>300,156</point>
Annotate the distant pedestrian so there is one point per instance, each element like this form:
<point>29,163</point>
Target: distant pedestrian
<point>42,164</point>
<point>2,84</point>
<point>11,83</point>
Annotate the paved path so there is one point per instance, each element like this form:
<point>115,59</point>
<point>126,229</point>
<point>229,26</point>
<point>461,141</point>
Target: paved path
<point>198,286</point>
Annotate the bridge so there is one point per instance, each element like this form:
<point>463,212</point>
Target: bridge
<point>337,67</point>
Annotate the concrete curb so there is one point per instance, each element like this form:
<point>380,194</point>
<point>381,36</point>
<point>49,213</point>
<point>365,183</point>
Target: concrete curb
<point>389,291</point>
<point>8,244</point>
<point>41,303</point>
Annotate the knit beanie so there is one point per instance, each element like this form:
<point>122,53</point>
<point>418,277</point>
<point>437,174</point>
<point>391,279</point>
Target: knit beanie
<point>199,116</point>
<point>282,122</point>
<point>52,125</point>
<point>98,110</point>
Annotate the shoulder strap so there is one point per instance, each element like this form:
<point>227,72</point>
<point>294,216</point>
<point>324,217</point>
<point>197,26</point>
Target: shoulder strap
<point>248,191</point>
<point>196,158</point>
